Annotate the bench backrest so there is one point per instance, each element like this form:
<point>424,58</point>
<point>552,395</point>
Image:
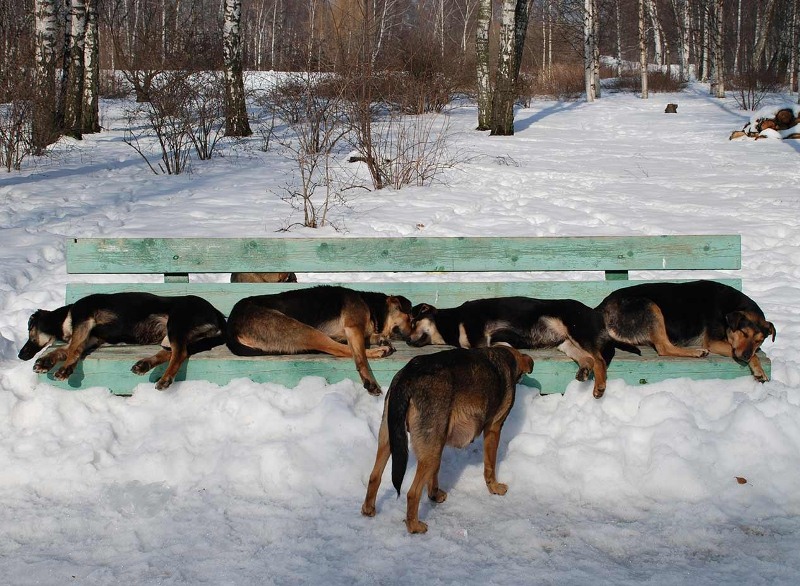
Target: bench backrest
<point>426,264</point>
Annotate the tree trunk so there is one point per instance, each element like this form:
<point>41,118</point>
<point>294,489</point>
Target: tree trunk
<point>482,56</point>
<point>717,71</point>
<point>73,105</point>
<point>236,122</point>
<point>738,48</point>
<point>505,87</point>
<point>762,33</point>
<point>643,49</point>
<point>45,126</point>
<point>90,111</point>
<point>588,50</point>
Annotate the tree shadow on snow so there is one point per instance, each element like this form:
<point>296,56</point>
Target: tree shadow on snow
<point>525,123</point>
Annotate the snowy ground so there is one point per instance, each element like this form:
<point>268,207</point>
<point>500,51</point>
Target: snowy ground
<point>260,484</point>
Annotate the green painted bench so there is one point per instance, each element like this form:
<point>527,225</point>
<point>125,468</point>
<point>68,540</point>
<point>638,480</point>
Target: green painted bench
<point>431,270</point>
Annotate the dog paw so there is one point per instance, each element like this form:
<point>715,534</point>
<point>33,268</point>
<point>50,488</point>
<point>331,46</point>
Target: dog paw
<point>438,496</point>
<point>416,526</point>
<point>598,393</point>
<point>583,373</point>
<point>63,373</point>
<point>368,510</point>
<point>702,353</point>
<point>373,388</point>
<point>42,367</point>
<point>380,351</point>
<point>141,367</point>
<point>163,383</point>
<point>761,376</point>
<point>497,488</point>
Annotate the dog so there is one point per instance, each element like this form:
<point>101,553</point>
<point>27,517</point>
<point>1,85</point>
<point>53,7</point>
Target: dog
<point>183,325</point>
<point>672,317</point>
<point>334,320</point>
<point>263,278</point>
<point>446,398</point>
<point>522,322</point>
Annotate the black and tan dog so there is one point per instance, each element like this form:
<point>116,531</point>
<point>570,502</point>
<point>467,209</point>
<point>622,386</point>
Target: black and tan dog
<point>522,322</point>
<point>335,320</point>
<point>672,316</point>
<point>446,398</point>
<point>183,325</point>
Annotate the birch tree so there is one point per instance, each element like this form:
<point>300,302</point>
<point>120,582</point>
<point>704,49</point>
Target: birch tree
<point>90,111</point>
<point>73,104</point>
<point>643,49</point>
<point>236,122</point>
<point>45,127</point>
<point>482,54</point>
<point>716,57</point>
<point>513,29</point>
<point>761,34</point>
<point>589,49</point>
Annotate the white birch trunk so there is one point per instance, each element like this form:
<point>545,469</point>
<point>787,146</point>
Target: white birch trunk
<point>236,122</point>
<point>643,49</point>
<point>90,112</point>
<point>45,127</point>
<point>764,25</point>
<point>738,46</point>
<point>588,50</point>
<point>74,96</point>
<point>658,55</point>
<point>482,58</point>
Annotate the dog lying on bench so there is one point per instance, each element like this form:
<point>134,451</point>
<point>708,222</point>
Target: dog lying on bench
<point>672,316</point>
<point>446,398</point>
<point>335,320</point>
<point>522,322</point>
<point>183,325</point>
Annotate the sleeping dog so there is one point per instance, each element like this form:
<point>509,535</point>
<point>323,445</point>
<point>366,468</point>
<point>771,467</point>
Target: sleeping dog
<point>335,320</point>
<point>672,316</point>
<point>182,325</point>
<point>522,322</point>
<point>446,398</point>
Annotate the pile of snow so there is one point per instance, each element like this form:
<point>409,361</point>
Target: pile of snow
<point>677,482</point>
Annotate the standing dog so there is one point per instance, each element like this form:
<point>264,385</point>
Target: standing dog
<point>334,320</point>
<point>447,398</point>
<point>522,322</point>
<point>182,325</point>
<point>671,316</point>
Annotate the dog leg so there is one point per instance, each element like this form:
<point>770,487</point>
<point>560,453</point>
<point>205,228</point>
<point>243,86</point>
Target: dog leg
<point>491,441</point>
<point>357,344</point>
<point>381,458</point>
<point>584,359</point>
<point>426,466</point>
<point>724,349</point>
<point>178,356</point>
<point>145,365</point>
<point>78,343</point>
<point>662,343</point>
<point>49,360</point>
<point>436,494</point>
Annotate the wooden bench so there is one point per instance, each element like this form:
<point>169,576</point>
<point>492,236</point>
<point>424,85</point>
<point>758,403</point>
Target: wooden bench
<point>422,269</point>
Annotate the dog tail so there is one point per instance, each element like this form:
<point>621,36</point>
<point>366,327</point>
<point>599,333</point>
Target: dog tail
<point>240,349</point>
<point>398,398</point>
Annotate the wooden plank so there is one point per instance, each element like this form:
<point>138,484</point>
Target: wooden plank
<point>440,294</point>
<point>110,368</point>
<point>448,254</point>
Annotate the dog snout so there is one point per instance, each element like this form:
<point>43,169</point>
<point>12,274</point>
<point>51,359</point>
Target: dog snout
<point>422,340</point>
<point>28,351</point>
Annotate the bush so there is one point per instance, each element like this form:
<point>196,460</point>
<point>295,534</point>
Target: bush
<point>657,82</point>
<point>750,88</point>
<point>564,82</point>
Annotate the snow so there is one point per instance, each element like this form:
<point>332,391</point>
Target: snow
<point>260,484</point>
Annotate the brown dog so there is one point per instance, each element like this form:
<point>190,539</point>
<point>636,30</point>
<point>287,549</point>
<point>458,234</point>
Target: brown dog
<point>335,320</point>
<point>671,316</point>
<point>263,278</point>
<point>447,398</point>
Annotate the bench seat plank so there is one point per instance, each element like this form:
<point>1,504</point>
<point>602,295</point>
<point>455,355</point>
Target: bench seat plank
<point>442,254</point>
<point>109,367</point>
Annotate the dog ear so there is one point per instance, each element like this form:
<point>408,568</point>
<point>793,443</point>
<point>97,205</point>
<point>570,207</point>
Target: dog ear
<point>399,302</point>
<point>735,319</point>
<point>422,310</point>
<point>771,327</point>
<point>525,363</point>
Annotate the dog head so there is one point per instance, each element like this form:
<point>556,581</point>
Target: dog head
<point>39,335</point>
<point>398,317</point>
<point>746,331</point>
<point>524,363</point>
<point>423,326</point>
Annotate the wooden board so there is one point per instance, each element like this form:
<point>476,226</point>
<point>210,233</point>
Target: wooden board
<point>440,294</point>
<point>448,254</point>
<point>109,367</point>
